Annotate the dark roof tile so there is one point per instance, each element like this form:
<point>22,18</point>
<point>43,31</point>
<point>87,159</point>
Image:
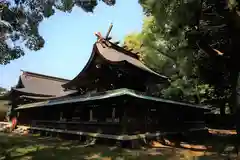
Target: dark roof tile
<point>115,53</point>
<point>42,85</point>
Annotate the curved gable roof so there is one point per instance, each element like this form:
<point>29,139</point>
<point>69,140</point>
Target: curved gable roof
<point>113,54</point>
<point>41,85</point>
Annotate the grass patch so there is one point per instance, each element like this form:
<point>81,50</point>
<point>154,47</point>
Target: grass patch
<point>45,148</point>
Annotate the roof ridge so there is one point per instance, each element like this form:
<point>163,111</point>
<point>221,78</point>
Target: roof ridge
<point>44,76</point>
<point>123,50</point>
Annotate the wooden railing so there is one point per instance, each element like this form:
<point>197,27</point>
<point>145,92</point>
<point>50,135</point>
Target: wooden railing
<point>117,128</point>
<point>99,127</point>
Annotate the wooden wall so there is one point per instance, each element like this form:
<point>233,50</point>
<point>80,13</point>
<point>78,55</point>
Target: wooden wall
<point>131,116</point>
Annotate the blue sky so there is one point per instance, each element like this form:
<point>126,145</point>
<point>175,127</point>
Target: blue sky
<point>69,38</point>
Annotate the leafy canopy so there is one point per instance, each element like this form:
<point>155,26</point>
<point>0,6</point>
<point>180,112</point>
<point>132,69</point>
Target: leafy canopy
<point>170,55</point>
<point>204,24</point>
<point>20,19</point>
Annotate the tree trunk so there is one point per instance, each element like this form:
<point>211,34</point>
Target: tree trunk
<point>234,102</point>
<point>233,63</point>
<point>238,91</point>
<point>237,103</point>
<point>222,109</point>
<point>237,114</point>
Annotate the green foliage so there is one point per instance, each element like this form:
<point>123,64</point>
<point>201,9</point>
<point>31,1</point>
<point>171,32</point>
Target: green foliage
<point>2,90</point>
<point>170,55</point>
<point>19,23</point>
<point>189,90</point>
<point>213,22</point>
<point>169,39</point>
<point>133,41</point>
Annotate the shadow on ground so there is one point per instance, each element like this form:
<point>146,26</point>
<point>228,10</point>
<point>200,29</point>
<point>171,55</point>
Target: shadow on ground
<point>14,147</point>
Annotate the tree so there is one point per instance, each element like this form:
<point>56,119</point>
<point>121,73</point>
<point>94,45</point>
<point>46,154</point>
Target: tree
<point>171,56</point>
<point>19,22</point>
<point>2,91</point>
<point>133,42</point>
<point>207,25</point>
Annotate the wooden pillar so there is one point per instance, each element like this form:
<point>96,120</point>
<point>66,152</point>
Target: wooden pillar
<point>91,115</point>
<point>61,115</point>
<point>146,117</point>
<point>125,117</point>
<point>113,114</point>
<point>124,122</point>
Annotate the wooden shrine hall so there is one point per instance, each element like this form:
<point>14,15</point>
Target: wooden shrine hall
<point>110,98</point>
<point>34,87</point>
